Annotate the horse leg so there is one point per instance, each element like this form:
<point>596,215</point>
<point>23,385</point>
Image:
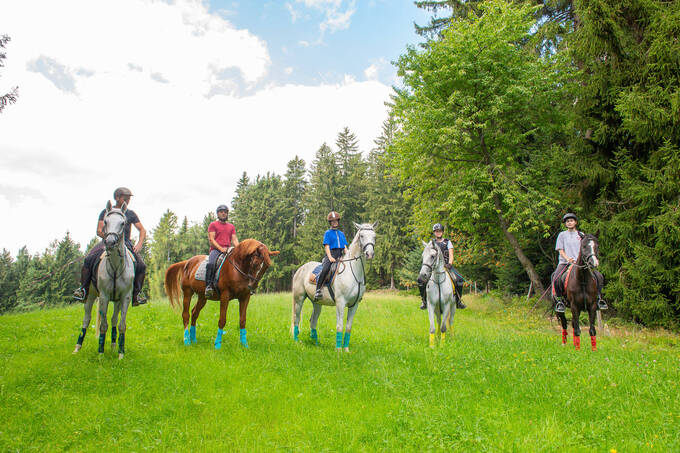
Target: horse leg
<point>348,327</point>
<point>242,314</point>
<point>298,300</point>
<point>224,303</point>
<point>103,327</point>
<point>339,311</point>
<point>186,305</point>
<point>431,315</point>
<point>313,320</point>
<point>563,321</point>
<point>445,316</point>
<point>592,316</point>
<point>114,322</point>
<point>122,327</point>
<point>87,318</point>
<point>194,317</point>
<point>575,314</point>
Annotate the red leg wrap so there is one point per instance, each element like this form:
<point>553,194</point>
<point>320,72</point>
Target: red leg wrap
<point>564,336</point>
<point>593,342</point>
<point>577,342</point>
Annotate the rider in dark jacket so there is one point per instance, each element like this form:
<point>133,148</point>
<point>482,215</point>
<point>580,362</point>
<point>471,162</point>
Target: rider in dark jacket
<point>445,245</point>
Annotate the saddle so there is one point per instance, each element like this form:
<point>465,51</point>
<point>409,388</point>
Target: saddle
<point>329,276</point>
<point>562,281</point>
<point>200,272</point>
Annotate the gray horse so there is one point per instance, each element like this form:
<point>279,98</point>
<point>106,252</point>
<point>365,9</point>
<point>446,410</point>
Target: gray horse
<point>348,286</point>
<point>115,277</point>
<point>440,292</point>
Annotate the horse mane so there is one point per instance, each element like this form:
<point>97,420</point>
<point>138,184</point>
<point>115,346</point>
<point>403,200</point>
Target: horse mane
<point>246,247</point>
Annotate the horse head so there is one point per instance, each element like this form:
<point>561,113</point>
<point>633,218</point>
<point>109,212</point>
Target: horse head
<point>366,232</point>
<point>114,224</point>
<point>431,254</point>
<point>590,250</point>
<point>256,261</point>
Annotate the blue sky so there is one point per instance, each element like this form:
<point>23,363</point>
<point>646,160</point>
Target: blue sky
<point>177,98</point>
<point>377,33</point>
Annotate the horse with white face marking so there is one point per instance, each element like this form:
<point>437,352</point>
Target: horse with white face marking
<point>115,278</point>
<point>440,291</point>
<point>348,286</point>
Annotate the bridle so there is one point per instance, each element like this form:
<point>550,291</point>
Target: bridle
<point>432,266</point>
<point>254,280</point>
<point>115,234</point>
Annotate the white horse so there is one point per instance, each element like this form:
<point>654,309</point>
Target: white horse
<point>115,277</point>
<point>440,293</point>
<point>348,286</point>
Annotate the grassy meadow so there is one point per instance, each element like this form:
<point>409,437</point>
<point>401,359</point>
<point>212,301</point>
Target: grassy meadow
<point>501,383</point>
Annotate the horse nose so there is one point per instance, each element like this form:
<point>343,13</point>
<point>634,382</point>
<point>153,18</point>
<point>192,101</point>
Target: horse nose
<point>109,241</point>
<point>420,279</point>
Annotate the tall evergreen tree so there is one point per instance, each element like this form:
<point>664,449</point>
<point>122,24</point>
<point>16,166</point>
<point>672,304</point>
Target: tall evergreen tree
<point>163,252</point>
<point>351,182</point>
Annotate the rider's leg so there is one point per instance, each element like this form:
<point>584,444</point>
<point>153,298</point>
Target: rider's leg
<point>322,276</point>
<point>559,301</point>
<point>457,280</point>
<point>140,271</point>
<point>423,297</point>
<point>86,272</point>
<point>599,279</point>
<point>210,273</point>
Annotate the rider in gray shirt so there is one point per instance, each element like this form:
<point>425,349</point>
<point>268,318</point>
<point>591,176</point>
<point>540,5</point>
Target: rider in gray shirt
<point>568,245</point>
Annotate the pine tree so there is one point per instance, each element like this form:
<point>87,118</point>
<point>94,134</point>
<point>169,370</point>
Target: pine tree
<point>164,248</point>
<point>351,181</point>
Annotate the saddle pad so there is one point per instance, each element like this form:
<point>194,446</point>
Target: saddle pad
<point>317,270</point>
<point>202,268</point>
<point>563,280</point>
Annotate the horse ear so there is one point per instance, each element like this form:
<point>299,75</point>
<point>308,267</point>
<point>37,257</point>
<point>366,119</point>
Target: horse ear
<point>124,207</point>
<point>108,205</point>
<point>356,225</point>
<point>375,224</point>
<point>424,243</point>
<point>597,233</point>
<point>274,252</point>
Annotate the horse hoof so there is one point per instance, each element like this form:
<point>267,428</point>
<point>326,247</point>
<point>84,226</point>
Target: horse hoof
<point>120,356</point>
<point>78,346</point>
<point>113,346</point>
<point>218,346</point>
<point>346,349</point>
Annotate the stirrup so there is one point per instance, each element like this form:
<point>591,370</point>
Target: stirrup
<point>560,307</point>
<point>423,305</point>
<point>460,304</point>
<point>318,295</point>
<point>209,291</point>
<point>80,294</point>
<point>138,300</point>
<point>601,304</point>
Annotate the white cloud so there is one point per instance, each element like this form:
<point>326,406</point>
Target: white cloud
<point>335,18</point>
<point>63,149</point>
<point>293,13</point>
<point>288,70</point>
<point>373,71</point>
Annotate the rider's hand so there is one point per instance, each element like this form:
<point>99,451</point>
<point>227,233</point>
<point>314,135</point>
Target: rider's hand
<point>137,248</point>
<point>331,259</point>
<point>572,260</point>
<point>448,266</point>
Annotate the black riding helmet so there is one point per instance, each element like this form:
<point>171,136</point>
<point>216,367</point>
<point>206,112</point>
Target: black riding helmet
<point>569,215</point>
<point>437,226</point>
<point>222,207</point>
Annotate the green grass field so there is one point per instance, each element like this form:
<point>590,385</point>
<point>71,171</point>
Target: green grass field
<point>501,383</point>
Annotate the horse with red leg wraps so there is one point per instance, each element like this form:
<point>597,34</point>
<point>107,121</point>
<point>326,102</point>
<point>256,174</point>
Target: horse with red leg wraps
<point>240,275</point>
<point>580,289</point>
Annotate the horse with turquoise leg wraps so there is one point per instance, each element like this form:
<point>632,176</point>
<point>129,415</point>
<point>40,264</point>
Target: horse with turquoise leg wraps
<point>348,287</point>
<point>238,279</point>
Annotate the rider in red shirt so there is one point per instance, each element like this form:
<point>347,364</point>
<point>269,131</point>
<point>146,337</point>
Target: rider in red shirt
<point>221,235</point>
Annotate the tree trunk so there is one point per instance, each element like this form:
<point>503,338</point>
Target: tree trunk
<point>526,262</point>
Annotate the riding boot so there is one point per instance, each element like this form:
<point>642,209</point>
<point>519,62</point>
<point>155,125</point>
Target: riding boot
<point>459,302</point>
<point>209,277</point>
<point>423,297</point>
<point>137,296</point>
<point>85,278</point>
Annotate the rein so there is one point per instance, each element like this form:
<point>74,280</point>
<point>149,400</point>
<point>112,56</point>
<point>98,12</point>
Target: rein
<point>255,279</point>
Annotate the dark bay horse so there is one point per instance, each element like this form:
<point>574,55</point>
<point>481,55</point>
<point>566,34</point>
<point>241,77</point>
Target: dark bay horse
<point>240,275</point>
<point>580,290</point>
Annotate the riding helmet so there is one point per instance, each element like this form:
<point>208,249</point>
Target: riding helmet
<point>569,215</point>
<point>333,216</point>
<point>121,192</point>
<point>437,226</point>
<point>222,207</point>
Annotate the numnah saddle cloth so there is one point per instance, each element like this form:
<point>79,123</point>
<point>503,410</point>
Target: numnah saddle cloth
<point>200,272</point>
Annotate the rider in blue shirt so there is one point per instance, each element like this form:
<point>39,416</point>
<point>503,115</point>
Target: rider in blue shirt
<point>335,244</point>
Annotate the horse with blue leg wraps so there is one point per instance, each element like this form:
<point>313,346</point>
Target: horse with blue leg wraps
<point>440,292</point>
<point>348,287</point>
<point>115,278</point>
<point>238,279</point>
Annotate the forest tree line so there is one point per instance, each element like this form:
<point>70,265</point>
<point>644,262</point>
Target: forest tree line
<point>511,113</point>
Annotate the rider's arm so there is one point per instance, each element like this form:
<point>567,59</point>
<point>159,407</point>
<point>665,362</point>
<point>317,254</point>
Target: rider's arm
<point>100,229</point>
<point>563,254</point>
<point>213,242</point>
<point>327,248</point>
<point>142,236</point>
<point>234,239</point>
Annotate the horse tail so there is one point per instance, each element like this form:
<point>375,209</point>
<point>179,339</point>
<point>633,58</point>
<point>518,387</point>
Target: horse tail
<point>172,282</point>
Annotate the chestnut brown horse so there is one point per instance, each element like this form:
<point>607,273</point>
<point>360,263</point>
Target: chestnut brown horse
<point>581,290</point>
<point>240,275</point>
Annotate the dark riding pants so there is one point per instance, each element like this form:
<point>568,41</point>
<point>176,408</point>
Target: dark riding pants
<point>335,253</point>
<point>210,267</point>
